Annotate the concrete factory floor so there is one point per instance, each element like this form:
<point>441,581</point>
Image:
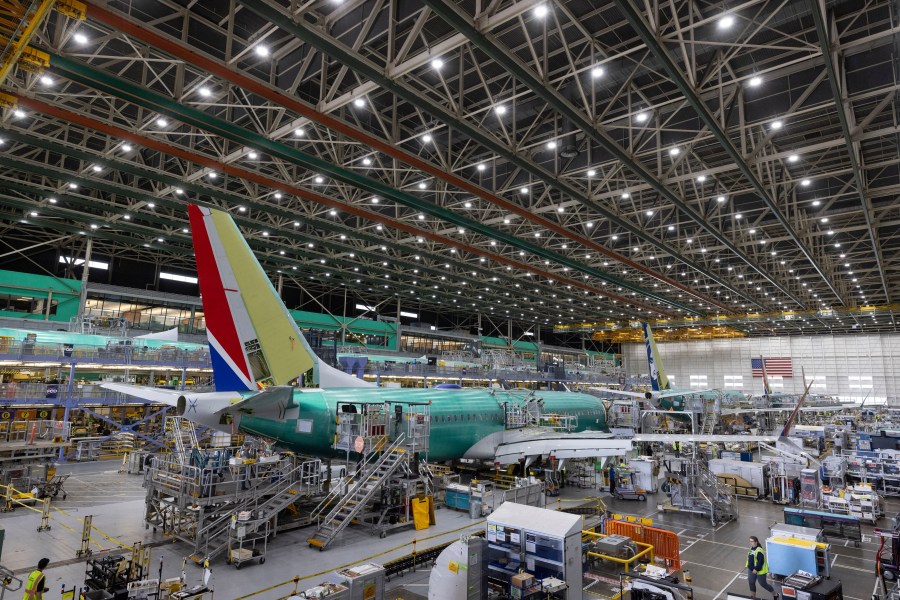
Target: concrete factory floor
<point>715,556</point>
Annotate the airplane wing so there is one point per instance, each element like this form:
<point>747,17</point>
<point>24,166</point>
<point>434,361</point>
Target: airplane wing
<point>655,395</point>
<point>585,444</point>
<point>738,411</point>
<point>160,396</point>
<point>700,437</point>
<point>642,395</point>
<point>686,393</point>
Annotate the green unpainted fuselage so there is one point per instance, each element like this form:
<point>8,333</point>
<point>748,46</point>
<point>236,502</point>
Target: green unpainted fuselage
<point>459,418</point>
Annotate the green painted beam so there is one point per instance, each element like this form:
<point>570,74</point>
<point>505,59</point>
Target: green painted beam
<point>103,82</point>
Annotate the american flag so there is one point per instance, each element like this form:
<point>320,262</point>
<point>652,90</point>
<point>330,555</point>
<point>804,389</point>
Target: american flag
<point>777,367</point>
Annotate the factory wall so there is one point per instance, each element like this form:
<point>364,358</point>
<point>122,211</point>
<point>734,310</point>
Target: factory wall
<point>848,366</point>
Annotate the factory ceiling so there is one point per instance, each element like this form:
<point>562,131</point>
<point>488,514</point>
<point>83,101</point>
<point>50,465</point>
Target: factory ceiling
<point>549,162</point>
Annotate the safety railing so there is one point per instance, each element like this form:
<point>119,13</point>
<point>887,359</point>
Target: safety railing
<point>644,554</point>
<point>23,432</point>
<point>228,482</point>
<point>111,353</point>
<point>52,392</point>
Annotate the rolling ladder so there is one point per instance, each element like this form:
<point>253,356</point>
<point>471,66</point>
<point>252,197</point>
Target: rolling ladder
<point>181,437</point>
<point>369,479</point>
<point>720,496</point>
<point>711,414</point>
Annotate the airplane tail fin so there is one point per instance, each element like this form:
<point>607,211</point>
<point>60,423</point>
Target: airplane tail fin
<point>658,380</point>
<point>254,341</point>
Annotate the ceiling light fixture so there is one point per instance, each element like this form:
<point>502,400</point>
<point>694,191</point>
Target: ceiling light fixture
<point>725,22</point>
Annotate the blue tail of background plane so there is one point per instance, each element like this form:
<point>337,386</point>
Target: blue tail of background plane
<point>658,380</point>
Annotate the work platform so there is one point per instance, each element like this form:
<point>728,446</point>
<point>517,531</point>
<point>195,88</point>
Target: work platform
<point>391,476</point>
<point>198,497</point>
<point>28,450</point>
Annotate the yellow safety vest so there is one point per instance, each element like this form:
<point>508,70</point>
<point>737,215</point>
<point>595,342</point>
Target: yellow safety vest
<point>753,553</point>
<point>31,586</point>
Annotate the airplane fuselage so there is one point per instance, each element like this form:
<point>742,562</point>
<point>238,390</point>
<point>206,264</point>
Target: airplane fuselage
<point>459,418</point>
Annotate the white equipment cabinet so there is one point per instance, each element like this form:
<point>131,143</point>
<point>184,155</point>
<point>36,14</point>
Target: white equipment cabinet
<point>366,581</point>
<point>525,540</point>
<point>646,472</point>
<point>459,571</point>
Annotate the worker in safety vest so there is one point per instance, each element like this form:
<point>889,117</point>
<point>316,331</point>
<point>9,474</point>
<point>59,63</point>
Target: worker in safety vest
<point>757,568</point>
<point>36,584</point>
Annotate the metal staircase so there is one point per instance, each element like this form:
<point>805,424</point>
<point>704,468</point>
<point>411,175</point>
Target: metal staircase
<point>367,481</point>
<point>197,502</point>
<point>711,414</point>
<point>181,437</point>
<point>720,496</point>
<point>265,503</point>
<point>692,487</point>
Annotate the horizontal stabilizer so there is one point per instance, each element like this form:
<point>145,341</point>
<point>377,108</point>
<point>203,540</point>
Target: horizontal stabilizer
<point>151,394</point>
<point>271,403</point>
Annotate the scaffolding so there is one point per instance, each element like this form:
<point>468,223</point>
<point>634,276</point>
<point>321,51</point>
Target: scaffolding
<point>198,498</point>
<point>28,450</point>
<point>692,487</point>
<point>391,440</point>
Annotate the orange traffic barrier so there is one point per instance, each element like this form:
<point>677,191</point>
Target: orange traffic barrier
<point>664,542</point>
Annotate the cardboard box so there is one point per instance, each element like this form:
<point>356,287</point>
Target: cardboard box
<point>241,554</point>
<point>522,580</point>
